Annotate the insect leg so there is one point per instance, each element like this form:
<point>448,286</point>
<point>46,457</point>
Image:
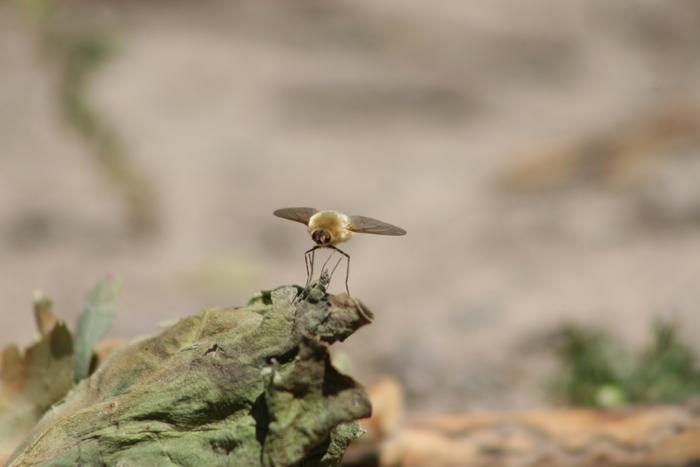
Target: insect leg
<point>337,263</point>
<point>309,257</point>
<point>325,263</point>
<point>347,269</point>
<point>313,263</point>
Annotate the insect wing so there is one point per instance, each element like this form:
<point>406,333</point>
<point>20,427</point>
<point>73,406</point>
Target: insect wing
<point>296,214</point>
<point>368,225</point>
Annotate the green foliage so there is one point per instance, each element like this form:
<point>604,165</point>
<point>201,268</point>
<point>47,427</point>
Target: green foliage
<point>94,322</point>
<point>592,368</point>
<point>667,370</point>
<point>595,370</point>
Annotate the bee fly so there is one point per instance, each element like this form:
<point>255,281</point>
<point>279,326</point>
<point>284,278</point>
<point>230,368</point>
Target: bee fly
<point>328,228</point>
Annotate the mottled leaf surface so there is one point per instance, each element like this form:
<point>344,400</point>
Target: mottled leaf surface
<point>245,386</point>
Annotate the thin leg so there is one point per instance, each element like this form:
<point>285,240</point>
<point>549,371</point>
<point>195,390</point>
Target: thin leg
<point>309,258</point>
<point>325,263</point>
<point>337,263</point>
<point>313,263</point>
<point>347,269</point>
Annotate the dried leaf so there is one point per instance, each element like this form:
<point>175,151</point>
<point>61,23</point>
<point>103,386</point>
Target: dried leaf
<point>246,386</point>
<point>43,313</point>
<point>32,382</point>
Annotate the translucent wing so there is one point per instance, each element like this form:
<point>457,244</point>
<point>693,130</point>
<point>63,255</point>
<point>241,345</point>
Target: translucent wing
<point>368,225</point>
<point>296,214</point>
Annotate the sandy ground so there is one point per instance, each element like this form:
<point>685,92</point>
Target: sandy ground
<point>404,111</point>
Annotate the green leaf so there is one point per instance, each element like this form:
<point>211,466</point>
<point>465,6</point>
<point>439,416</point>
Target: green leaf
<point>95,320</point>
<point>250,386</point>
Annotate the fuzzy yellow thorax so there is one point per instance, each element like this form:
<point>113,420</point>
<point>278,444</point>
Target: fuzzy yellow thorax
<point>332,222</point>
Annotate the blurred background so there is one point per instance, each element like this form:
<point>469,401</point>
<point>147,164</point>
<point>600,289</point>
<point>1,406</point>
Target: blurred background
<point>543,157</point>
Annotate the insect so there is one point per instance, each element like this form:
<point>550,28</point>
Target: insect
<point>328,228</point>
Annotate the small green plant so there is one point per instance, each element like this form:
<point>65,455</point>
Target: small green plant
<point>668,370</point>
<point>596,371</point>
<point>95,320</point>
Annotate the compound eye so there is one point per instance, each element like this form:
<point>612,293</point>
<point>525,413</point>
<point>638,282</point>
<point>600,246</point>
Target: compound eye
<point>321,237</point>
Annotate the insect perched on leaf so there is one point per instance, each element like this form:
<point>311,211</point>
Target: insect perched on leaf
<point>328,228</point>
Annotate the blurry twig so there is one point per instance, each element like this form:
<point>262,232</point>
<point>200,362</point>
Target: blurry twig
<point>608,159</point>
<point>649,435</point>
<point>79,54</point>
